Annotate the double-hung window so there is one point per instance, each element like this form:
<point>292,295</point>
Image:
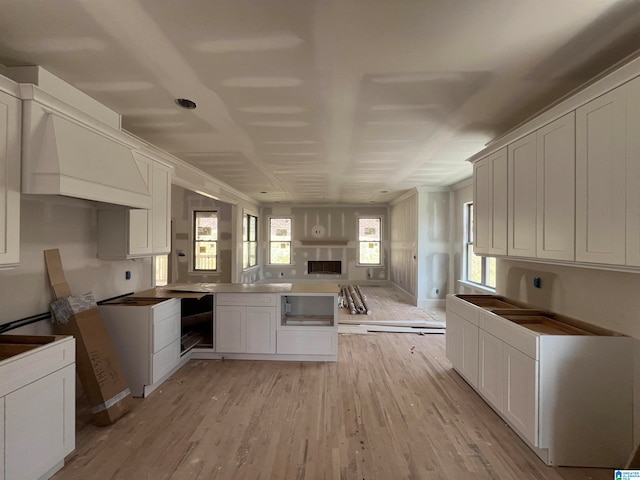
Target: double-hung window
<point>280,240</point>
<point>205,240</point>
<point>249,240</point>
<point>477,268</point>
<point>369,240</point>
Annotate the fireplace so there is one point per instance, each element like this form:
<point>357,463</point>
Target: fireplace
<point>328,267</point>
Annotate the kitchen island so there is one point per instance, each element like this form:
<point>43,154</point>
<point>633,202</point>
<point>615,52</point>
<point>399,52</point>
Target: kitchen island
<point>156,331</point>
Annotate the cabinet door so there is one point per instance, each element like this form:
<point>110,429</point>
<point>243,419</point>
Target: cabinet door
<point>230,327</point>
<point>481,206</point>
<point>490,369</point>
<point>462,347</point>
<point>633,173</point>
<point>260,333</point>
<point>600,179</point>
<point>140,220</point>
<point>10,129</point>
<point>556,160</point>
<point>161,210</point>
<point>40,425</point>
<point>522,197</point>
<point>499,180</point>
<point>521,392</point>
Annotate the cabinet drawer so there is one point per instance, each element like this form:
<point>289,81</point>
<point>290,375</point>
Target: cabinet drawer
<point>249,299</point>
<point>307,342</point>
<point>463,309</point>
<point>165,331</point>
<point>518,337</point>
<point>166,309</point>
<point>165,360</point>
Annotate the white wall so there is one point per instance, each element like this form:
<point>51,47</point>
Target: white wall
<point>71,226</point>
<point>183,202</point>
<point>339,223</point>
<point>404,245</point>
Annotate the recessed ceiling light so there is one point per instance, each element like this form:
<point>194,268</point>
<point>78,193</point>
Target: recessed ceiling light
<point>186,103</point>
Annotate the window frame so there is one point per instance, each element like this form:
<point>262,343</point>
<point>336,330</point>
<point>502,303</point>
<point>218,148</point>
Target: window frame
<point>194,241</point>
<point>290,241</point>
<point>247,241</point>
<point>486,263</point>
<point>379,241</point>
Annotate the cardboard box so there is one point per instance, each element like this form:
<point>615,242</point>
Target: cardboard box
<point>96,361</point>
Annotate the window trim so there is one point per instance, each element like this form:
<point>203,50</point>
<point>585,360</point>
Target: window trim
<point>248,215</point>
<point>192,242</point>
<point>368,217</point>
<point>290,241</point>
<point>467,241</point>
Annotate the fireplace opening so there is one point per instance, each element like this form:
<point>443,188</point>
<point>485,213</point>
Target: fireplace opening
<point>329,267</point>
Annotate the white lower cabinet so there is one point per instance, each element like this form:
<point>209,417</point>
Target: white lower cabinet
<point>146,336</point>
<point>566,391</point>
<point>490,362</point>
<point>37,402</point>
<point>462,347</point>
<point>245,323</point>
<point>520,396</point>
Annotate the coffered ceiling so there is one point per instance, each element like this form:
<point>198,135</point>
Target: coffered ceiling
<point>322,101</point>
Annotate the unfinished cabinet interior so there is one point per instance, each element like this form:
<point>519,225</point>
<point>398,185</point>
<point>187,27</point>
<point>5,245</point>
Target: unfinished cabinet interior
<point>544,374</point>
<point>129,233</point>
<point>146,336</point>
<point>308,324</point>
<point>37,402</point>
<point>10,129</point>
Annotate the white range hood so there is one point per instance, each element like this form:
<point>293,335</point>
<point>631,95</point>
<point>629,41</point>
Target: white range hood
<point>65,152</point>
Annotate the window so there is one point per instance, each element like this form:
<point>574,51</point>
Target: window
<point>205,240</point>
<point>477,269</point>
<point>369,241</point>
<point>249,240</point>
<point>280,240</point>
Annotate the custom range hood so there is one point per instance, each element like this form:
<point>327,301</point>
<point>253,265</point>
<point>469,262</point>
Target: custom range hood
<point>66,151</point>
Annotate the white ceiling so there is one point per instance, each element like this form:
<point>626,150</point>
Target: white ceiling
<point>318,101</point>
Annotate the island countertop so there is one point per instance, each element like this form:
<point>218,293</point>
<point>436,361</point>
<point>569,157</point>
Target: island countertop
<point>196,290</point>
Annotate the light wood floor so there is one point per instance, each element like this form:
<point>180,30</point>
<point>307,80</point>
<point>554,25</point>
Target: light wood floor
<point>379,413</point>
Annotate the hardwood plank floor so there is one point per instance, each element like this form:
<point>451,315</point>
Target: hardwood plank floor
<point>379,413</point>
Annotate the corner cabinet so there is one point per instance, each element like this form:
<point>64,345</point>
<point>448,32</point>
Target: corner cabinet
<point>131,233</point>
<point>10,133</point>
<point>490,204</point>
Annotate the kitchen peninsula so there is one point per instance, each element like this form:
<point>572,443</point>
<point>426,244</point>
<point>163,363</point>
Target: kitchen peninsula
<point>156,331</point>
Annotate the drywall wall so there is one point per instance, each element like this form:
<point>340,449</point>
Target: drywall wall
<point>69,225</point>
<point>420,245</point>
<point>335,223</point>
<point>404,245</point>
<point>434,237</point>
<point>183,203</point>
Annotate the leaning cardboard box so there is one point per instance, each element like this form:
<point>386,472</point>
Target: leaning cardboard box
<point>96,361</point>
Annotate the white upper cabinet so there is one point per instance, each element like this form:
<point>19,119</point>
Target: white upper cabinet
<point>633,173</point>
<point>601,179</point>
<point>161,210</point>
<point>9,180</point>
<point>490,204</point>
<point>556,160</point>
<point>131,233</point>
<point>521,226</point>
